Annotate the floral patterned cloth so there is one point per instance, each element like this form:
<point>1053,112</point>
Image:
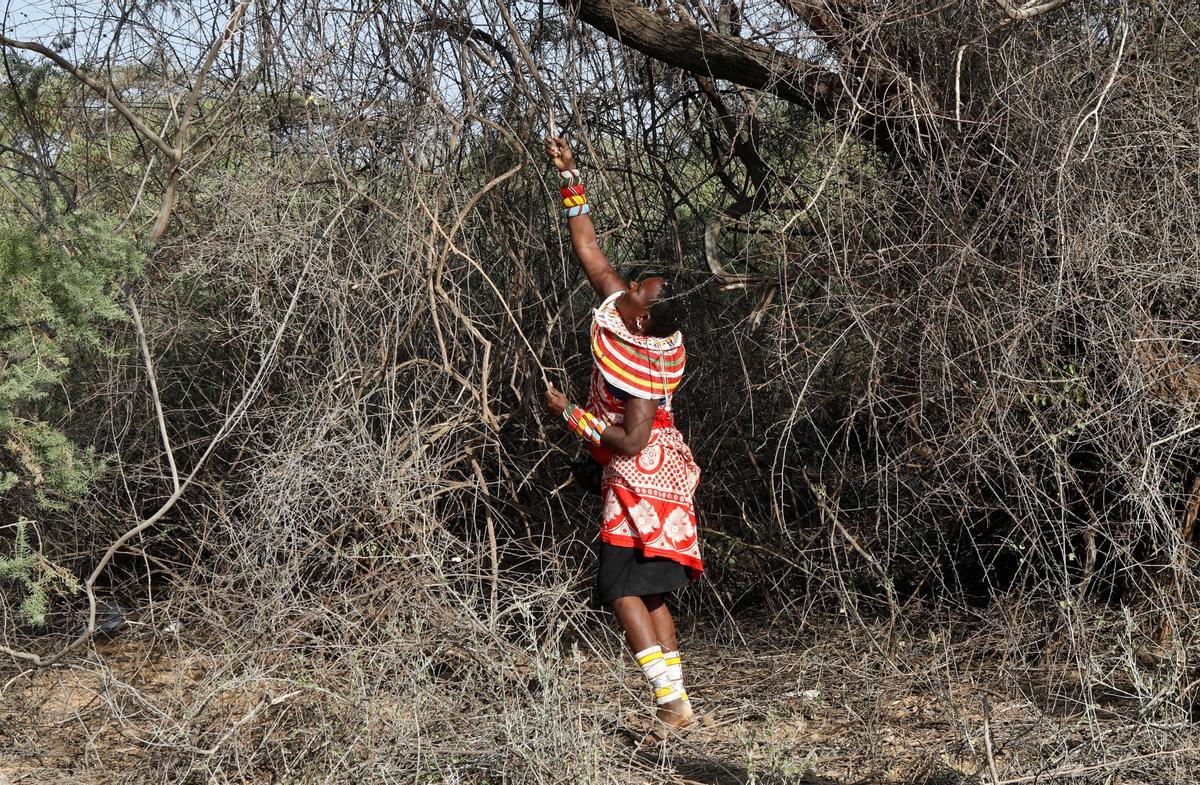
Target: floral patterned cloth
<point>648,500</point>
<point>647,497</point>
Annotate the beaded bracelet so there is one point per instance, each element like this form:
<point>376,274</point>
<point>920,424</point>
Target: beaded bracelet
<point>586,425</point>
<point>574,196</point>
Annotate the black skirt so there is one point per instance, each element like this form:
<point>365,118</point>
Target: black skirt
<point>626,572</point>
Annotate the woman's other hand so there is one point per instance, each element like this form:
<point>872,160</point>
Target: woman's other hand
<point>560,153</point>
<point>556,402</point>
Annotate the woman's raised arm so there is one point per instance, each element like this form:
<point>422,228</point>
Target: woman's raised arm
<point>600,273</point>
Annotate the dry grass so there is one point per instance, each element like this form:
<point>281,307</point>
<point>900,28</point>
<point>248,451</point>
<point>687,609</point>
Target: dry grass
<point>145,709</point>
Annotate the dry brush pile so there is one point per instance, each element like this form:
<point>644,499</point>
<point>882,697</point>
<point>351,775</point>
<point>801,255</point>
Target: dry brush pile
<point>941,280</point>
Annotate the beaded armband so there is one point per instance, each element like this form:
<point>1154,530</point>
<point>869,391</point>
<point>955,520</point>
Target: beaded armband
<point>586,425</point>
<point>574,198</point>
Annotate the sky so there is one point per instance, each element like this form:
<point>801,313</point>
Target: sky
<point>88,23</point>
<point>42,21</point>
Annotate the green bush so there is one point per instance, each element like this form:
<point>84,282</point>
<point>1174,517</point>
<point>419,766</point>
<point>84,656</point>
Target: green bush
<point>60,284</point>
<point>38,576</point>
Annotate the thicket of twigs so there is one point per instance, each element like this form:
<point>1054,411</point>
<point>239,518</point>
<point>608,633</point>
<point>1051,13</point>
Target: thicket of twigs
<point>942,288</point>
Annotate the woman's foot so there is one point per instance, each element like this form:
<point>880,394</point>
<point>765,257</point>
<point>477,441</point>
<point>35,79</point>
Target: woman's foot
<point>676,714</point>
<point>670,720</point>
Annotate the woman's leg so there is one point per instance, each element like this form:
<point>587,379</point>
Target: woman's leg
<point>664,625</point>
<point>636,620</point>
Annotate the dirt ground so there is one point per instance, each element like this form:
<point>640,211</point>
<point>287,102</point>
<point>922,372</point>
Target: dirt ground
<point>830,710</point>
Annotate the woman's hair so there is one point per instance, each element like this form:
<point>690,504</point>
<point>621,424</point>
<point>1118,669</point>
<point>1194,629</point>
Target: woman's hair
<point>667,313</point>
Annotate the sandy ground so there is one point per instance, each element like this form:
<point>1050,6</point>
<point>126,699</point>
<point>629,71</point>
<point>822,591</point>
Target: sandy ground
<point>830,711</point>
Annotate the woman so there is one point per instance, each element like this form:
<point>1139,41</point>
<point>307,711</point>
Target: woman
<point>648,542</point>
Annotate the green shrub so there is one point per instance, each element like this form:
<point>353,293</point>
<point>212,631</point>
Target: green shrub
<point>60,284</point>
<point>38,576</point>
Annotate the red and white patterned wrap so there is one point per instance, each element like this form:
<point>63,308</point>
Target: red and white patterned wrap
<point>648,497</point>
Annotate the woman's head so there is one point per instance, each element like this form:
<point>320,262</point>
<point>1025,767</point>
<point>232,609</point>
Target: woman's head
<point>648,306</point>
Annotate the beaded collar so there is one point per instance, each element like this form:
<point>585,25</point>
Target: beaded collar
<point>606,316</point>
